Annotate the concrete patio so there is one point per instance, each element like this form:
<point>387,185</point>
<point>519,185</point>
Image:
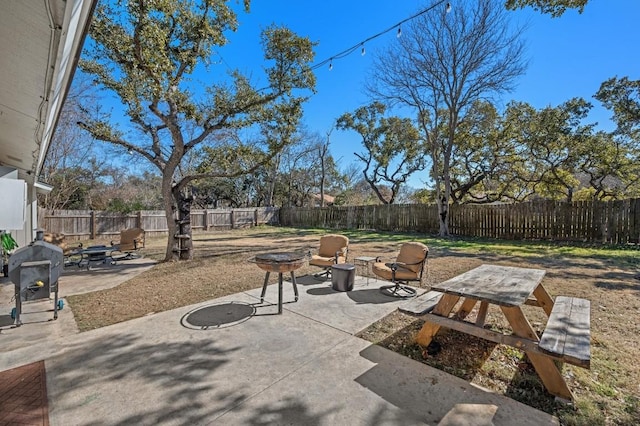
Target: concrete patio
<point>235,361</point>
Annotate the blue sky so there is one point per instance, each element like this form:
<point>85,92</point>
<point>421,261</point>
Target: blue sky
<point>568,56</point>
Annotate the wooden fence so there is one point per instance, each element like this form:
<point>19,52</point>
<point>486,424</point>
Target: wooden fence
<point>88,224</point>
<point>616,222</point>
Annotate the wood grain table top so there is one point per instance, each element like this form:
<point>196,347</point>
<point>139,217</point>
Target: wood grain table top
<point>500,285</point>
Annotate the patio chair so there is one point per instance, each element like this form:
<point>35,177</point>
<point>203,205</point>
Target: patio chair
<point>408,267</point>
<point>333,249</point>
<point>131,240</point>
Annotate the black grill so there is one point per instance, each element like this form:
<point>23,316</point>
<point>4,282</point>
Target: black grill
<point>35,270</point>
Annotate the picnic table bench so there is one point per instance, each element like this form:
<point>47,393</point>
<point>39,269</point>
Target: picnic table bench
<point>566,337</point>
<point>567,334</point>
<point>422,304</point>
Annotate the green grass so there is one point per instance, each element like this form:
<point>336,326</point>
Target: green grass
<point>621,255</point>
<point>472,244</point>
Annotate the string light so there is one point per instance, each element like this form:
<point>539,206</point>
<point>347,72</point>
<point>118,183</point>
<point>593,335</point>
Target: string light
<point>361,44</point>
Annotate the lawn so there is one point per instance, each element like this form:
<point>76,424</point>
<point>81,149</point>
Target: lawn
<point>607,394</point>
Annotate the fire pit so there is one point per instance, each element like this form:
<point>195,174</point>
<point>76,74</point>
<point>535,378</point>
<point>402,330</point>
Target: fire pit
<point>279,262</point>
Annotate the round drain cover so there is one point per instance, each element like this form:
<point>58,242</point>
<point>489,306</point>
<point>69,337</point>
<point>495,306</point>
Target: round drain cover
<point>218,316</point>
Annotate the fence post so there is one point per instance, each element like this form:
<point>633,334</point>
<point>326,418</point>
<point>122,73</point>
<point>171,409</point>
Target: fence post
<point>233,225</point>
<point>139,219</point>
<point>92,226</point>
<point>205,220</point>
<point>255,217</point>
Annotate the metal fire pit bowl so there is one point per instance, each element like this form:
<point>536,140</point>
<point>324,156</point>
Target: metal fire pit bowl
<point>279,262</point>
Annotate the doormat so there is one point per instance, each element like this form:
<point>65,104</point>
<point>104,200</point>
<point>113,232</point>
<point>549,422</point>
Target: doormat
<point>23,395</point>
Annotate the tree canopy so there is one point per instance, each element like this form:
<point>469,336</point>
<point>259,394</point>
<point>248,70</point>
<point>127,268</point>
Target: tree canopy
<point>144,52</point>
<point>393,148</point>
<point>554,8</point>
<point>622,97</point>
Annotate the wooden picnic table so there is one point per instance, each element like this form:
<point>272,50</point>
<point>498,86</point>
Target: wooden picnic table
<point>566,337</point>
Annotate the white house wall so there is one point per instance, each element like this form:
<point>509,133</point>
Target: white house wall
<point>41,41</point>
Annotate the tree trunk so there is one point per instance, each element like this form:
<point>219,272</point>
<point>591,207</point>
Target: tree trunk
<point>172,253</point>
<point>183,234</point>
<point>272,181</point>
<point>322,183</point>
<point>443,214</point>
<point>322,151</point>
<point>179,241</point>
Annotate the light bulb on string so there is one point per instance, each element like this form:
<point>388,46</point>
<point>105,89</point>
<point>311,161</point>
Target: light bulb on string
<point>397,27</point>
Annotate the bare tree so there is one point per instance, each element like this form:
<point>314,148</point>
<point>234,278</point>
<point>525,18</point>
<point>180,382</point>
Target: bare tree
<point>71,165</point>
<point>323,152</point>
<point>440,66</point>
<point>298,168</point>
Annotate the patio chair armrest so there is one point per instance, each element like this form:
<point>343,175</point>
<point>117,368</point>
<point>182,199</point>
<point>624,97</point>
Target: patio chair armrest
<point>394,266</point>
<point>339,253</point>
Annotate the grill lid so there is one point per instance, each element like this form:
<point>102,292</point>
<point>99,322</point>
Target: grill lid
<point>36,251</point>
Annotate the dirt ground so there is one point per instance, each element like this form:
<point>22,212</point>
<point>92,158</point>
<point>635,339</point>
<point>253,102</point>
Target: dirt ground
<point>608,393</point>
